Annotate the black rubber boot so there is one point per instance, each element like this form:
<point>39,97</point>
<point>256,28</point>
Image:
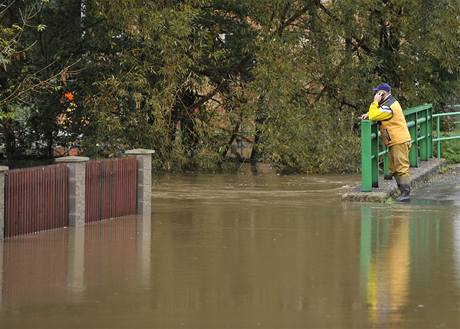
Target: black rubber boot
<point>388,177</point>
<point>404,187</point>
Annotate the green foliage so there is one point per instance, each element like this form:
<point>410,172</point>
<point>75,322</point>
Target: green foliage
<point>191,78</point>
<point>450,150</point>
<point>31,74</point>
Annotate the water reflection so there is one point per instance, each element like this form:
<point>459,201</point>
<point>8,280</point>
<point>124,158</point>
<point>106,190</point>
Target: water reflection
<point>385,262</point>
<point>34,269</point>
<point>144,252</point>
<point>405,253</point>
<point>456,246</point>
<point>277,267</point>
<point>226,252</point>
<point>76,267</point>
<point>70,264</point>
<point>1,274</point>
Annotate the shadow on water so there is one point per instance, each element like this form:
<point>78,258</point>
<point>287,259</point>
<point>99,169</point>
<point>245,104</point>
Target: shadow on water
<point>237,252</point>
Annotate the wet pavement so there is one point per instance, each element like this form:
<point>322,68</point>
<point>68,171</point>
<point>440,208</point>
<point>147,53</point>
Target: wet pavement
<point>387,189</point>
<point>227,251</point>
<point>445,189</point>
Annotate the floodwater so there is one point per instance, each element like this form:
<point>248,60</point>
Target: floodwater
<point>226,251</point>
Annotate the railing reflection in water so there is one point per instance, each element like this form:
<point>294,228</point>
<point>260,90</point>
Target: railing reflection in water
<point>397,247</point>
<point>353,268</point>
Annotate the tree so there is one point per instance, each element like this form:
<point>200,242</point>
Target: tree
<point>28,77</point>
<point>190,78</point>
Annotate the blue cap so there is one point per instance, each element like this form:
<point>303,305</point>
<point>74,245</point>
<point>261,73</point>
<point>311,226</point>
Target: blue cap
<point>383,86</point>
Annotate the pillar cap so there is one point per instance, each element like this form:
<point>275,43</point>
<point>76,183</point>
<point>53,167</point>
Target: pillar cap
<point>139,152</point>
<point>3,168</point>
<point>71,159</point>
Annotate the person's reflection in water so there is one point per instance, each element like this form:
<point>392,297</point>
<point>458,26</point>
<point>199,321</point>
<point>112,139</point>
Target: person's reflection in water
<point>385,263</point>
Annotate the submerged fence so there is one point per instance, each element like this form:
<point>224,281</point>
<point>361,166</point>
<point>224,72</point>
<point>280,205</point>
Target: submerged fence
<point>74,192</point>
<point>420,123</point>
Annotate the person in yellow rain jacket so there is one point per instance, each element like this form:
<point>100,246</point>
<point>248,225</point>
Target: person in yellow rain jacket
<point>395,134</point>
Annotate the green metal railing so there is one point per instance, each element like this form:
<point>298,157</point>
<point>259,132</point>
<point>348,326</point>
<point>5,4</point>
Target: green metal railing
<point>439,138</point>
<point>420,123</point>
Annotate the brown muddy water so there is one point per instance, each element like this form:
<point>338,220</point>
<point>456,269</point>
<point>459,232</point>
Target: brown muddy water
<point>244,252</point>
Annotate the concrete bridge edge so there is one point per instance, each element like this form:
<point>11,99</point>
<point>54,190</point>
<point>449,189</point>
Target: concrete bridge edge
<point>388,189</point>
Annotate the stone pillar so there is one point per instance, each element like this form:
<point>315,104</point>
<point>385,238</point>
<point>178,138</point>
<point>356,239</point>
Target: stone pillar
<point>77,188</point>
<point>144,180</point>
<point>3,171</point>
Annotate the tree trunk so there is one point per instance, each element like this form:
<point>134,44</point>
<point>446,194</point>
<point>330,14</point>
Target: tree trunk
<point>229,145</point>
<point>259,122</point>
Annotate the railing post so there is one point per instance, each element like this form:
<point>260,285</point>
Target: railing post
<point>375,154</point>
<point>386,165</point>
<point>424,134</point>
<point>430,132</point>
<point>77,188</point>
<point>413,153</point>
<point>3,171</point>
<point>438,135</point>
<point>144,180</point>
<point>366,155</point>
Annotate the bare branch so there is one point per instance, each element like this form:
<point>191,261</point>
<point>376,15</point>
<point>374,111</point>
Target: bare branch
<point>21,89</point>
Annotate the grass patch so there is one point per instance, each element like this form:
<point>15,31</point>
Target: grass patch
<point>450,149</point>
<point>390,200</point>
<point>443,170</point>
